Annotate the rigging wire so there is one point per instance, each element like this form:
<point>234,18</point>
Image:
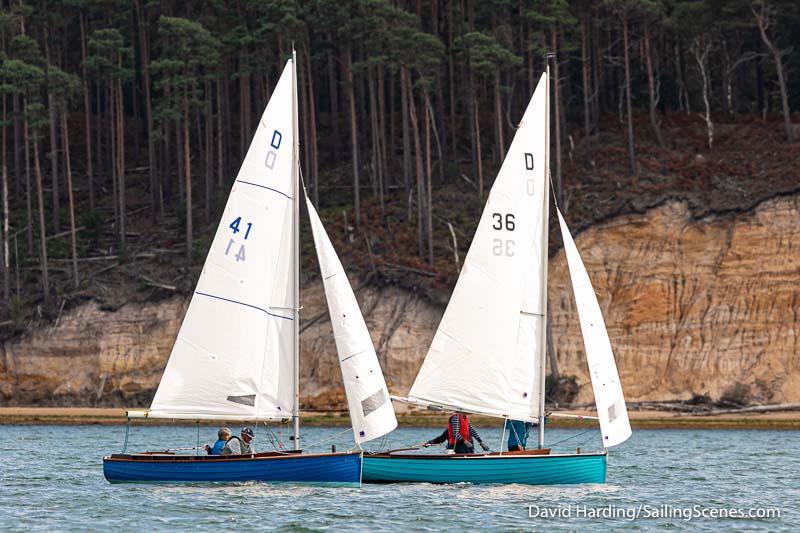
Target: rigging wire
<point>573,436</point>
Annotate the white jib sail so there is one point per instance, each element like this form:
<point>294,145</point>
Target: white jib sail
<point>233,357</point>
<point>371,411</point>
<point>611,409</point>
<point>485,353</point>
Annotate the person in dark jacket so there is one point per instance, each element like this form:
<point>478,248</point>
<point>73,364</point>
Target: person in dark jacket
<point>223,435</point>
<point>240,445</point>
<point>459,435</point>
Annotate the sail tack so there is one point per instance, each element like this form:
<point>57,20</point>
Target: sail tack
<point>233,358</point>
<point>371,411</point>
<point>485,355</point>
<point>611,410</point>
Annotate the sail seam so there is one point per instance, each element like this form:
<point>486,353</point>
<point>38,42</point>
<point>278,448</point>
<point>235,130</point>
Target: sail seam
<point>244,304</point>
<point>355,354</point>
<point>264,187</point>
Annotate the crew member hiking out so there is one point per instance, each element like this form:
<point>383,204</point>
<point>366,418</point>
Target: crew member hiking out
<point>459,435</point>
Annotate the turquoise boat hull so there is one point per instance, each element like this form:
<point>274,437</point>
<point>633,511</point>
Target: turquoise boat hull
<point>337,469</point>
<point>553,469</point>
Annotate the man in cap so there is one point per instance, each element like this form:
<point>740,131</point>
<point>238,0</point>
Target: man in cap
<point>240,445</point>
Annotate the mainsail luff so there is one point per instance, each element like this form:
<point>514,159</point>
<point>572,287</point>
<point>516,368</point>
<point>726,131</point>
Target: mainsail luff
<point>483,355</point>
<point>545,254</point>
<point>296,255</point>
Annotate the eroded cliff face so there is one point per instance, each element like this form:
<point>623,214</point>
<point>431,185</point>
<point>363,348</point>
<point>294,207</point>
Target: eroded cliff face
<point>692,306</point>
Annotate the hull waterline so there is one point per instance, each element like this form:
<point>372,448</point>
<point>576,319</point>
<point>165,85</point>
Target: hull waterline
<point>555,469</point>
<point>339,469</point>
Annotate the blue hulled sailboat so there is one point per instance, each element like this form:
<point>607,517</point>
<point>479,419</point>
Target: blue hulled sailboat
<point>236,357</point>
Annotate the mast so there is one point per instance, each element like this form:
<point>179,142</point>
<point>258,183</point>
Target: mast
<point>545,222</point>
<point>296,254</point>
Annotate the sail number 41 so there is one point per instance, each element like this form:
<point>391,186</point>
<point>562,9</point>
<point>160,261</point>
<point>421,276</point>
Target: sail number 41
<point>236,228</point>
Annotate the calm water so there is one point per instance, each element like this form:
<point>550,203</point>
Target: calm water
<point>52,479</point>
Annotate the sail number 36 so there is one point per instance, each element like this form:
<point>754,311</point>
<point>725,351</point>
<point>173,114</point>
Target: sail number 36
<point>235,227</point>
<point>502,222</point>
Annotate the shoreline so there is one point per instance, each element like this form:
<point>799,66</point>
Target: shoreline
<point>639,419</point>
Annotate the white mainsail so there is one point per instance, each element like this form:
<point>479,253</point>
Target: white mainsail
<point>611,409</point>
<point>486,353</point>
<point>233,358</point>
<point>371,411</point>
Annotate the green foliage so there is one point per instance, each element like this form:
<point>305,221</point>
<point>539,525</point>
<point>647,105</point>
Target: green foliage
<point>108,55</point>
<point>485,54</point>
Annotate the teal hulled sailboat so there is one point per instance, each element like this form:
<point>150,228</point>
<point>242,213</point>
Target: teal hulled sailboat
<point>488,354</point>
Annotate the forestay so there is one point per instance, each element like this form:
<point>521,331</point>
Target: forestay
<point>371,411</point>
<point>485,354</point>
<point>233,358</point>
<point>611,409</point>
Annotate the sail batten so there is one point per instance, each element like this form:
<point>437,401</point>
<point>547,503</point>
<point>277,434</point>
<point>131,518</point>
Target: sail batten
<point>371,411</point>
<point>611,410</point>
<point>483,357</point>
<point>233,342</point>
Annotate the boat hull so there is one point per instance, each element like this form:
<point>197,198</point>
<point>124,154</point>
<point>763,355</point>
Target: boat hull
<point>553,469</point>
<point>340,469</point>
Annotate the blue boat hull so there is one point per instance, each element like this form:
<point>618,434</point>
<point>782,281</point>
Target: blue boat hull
<point>493,468</point>
<point>324,469</point>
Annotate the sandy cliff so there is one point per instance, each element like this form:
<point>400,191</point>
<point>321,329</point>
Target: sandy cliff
<point>691,306</point>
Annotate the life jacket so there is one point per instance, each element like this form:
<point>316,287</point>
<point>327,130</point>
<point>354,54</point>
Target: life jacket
<point>463,429</point>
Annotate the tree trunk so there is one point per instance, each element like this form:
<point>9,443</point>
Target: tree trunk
<point>42,231</point>
<point>113,145</point>
<point>701,56</point>
<point>312,134</point>
<point>144,51</point>
<point>763,20</point>
<point>377,164</point>
<point>428,176</point>
<point>87,113</point>
<point>56,194</point>
<point>557,109</point>
<point>498,114</point>
<point>4,191</point>
<point>123,222</point>
<point>412,111</point>
<point>351,102</point>
<point>587,92</point>
<point>404,103</point>
<point>70,199</point>
<point>333,92</point>
<point>652,91</point>
<point>15,101</point>
<point>626,45</point>
<point>188,174</point>
<point>220,162</point>
<point>209,152</point>
<point>28,195</point>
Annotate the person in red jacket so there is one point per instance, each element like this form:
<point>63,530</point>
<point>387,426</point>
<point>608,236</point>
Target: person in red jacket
<point>459,435</point>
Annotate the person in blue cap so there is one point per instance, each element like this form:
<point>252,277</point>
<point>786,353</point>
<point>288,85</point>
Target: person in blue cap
<point>242,445</point>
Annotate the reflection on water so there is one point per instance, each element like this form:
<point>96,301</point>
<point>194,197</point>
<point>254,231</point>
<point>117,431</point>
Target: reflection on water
<point>52,479</point>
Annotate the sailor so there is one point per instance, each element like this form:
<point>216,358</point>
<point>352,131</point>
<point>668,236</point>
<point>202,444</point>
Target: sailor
<point>240,445</point>
<point>223,435</point>
<point>518,434</point>
<point>459,435</point>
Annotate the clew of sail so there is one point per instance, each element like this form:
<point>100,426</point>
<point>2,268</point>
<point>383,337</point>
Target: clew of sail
<point>371,411</point>
<point>611,410</point>
<point>485,355</point>
<point>233,358</point>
